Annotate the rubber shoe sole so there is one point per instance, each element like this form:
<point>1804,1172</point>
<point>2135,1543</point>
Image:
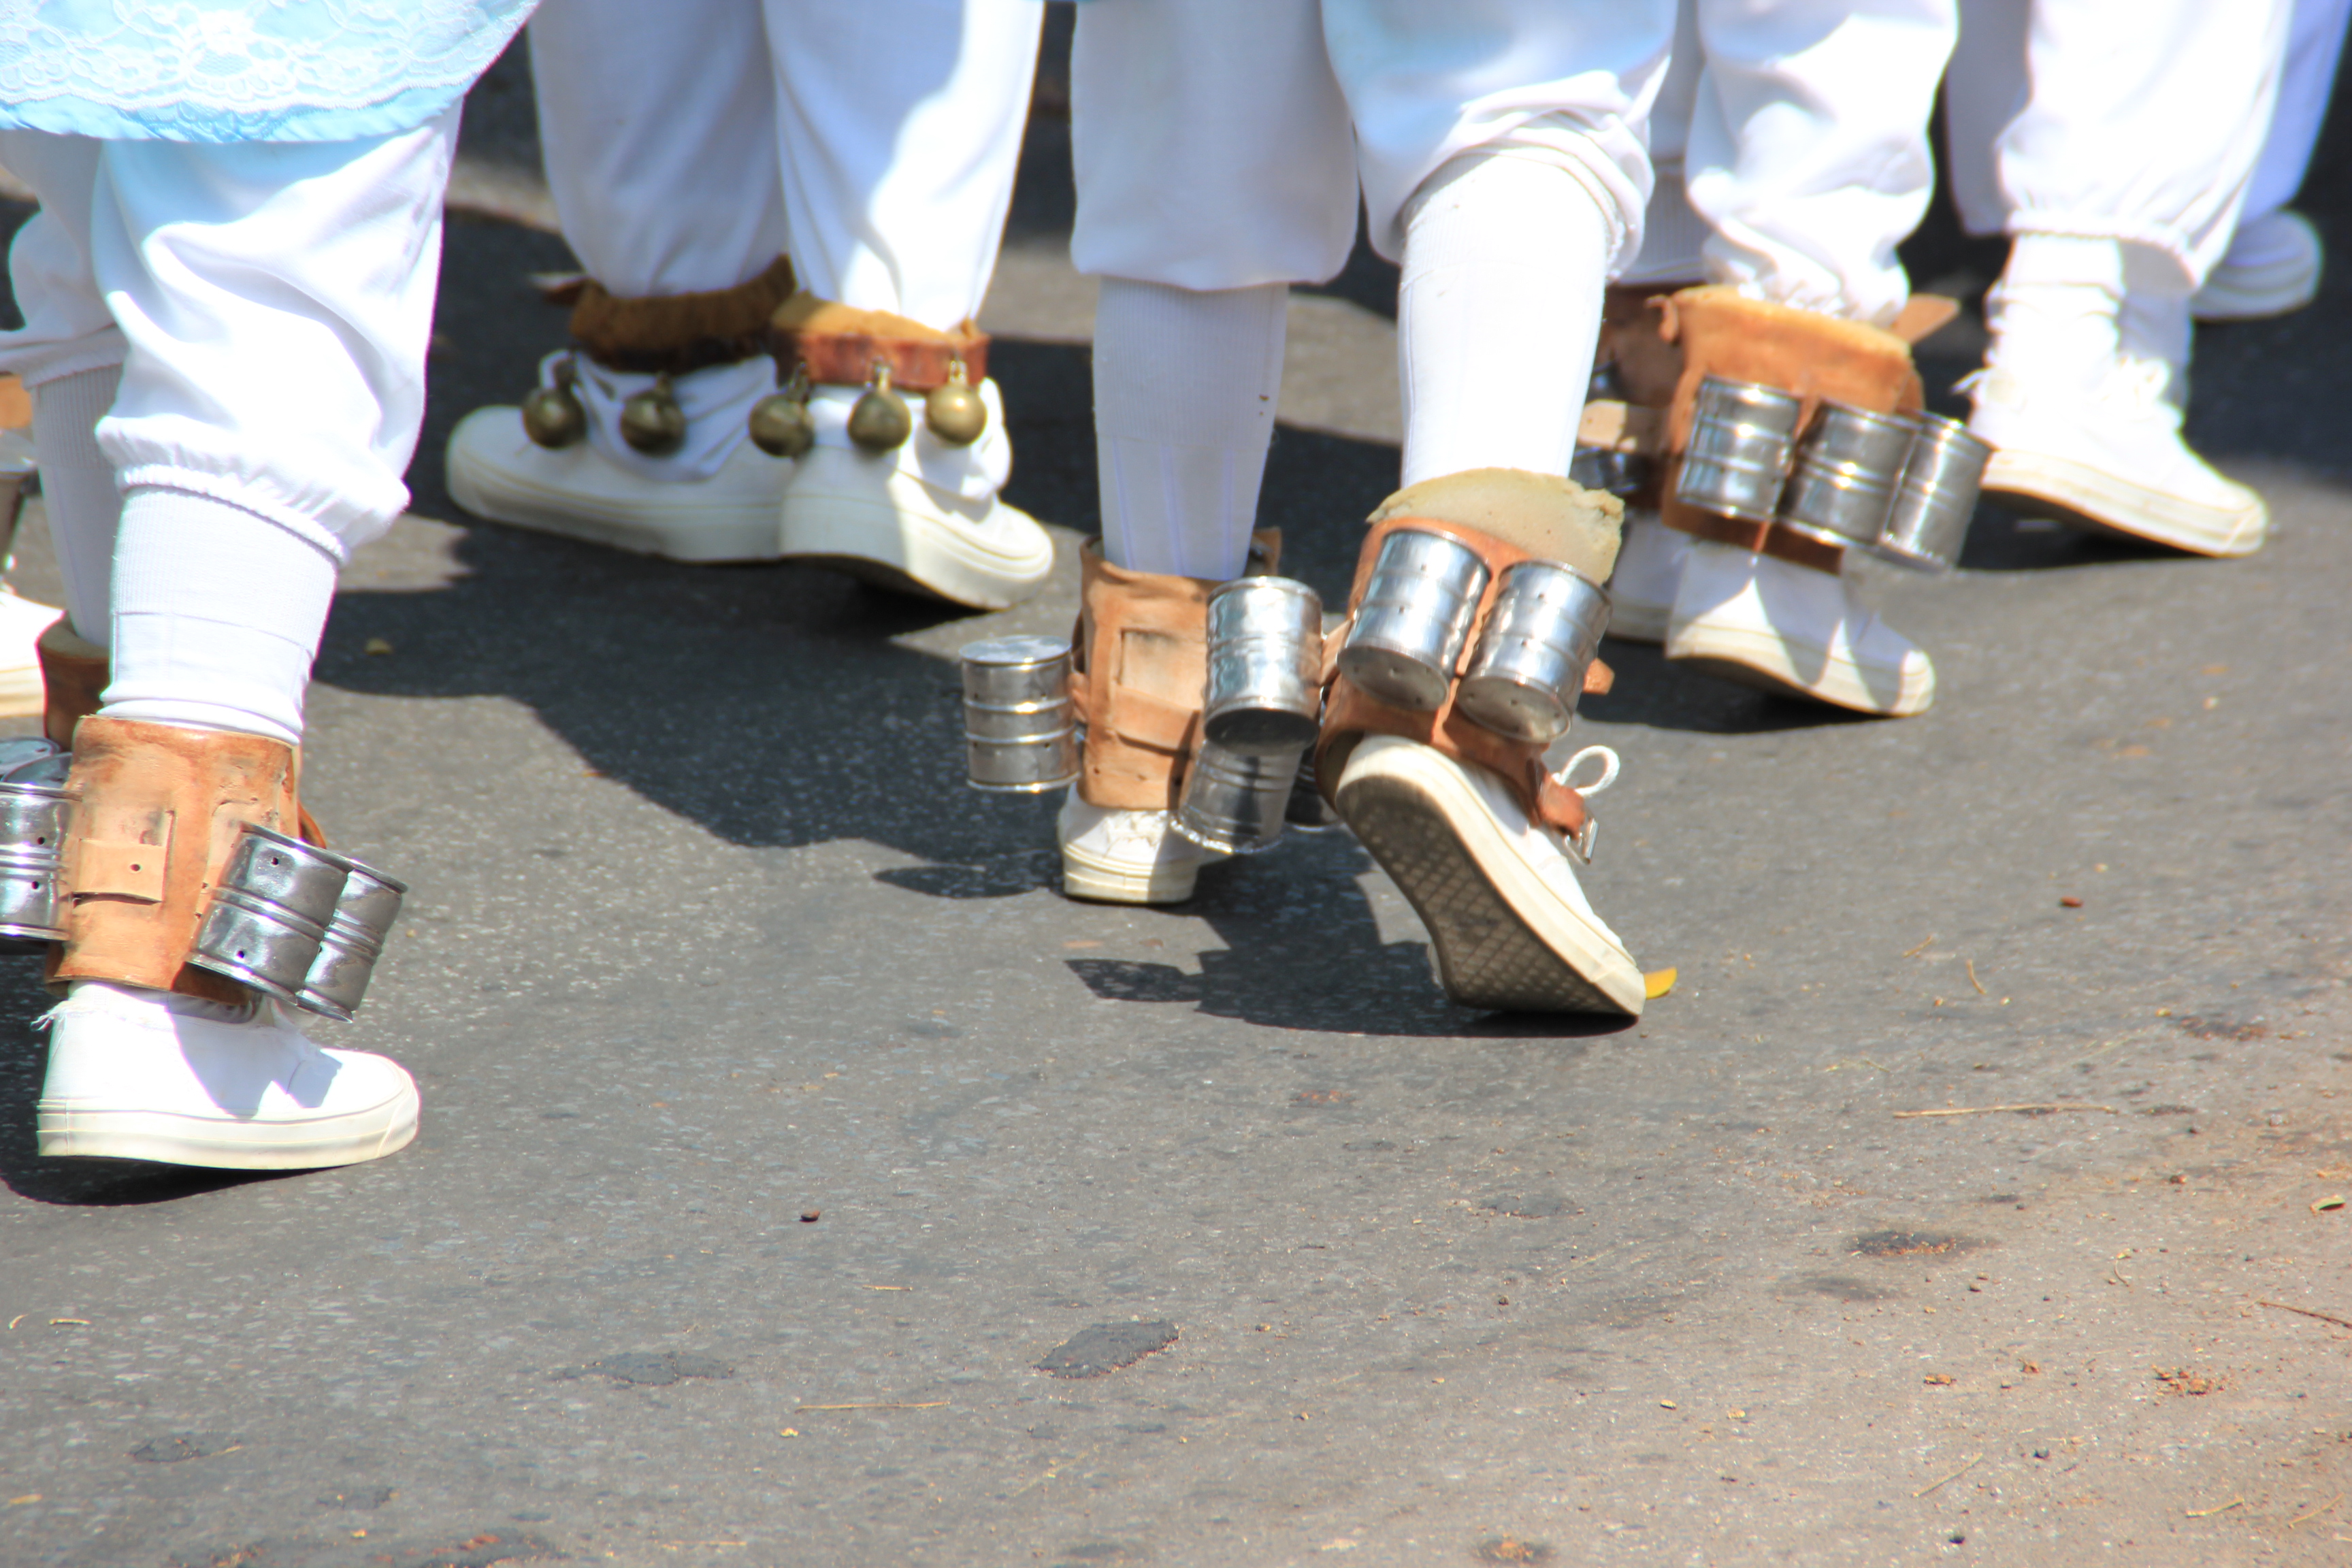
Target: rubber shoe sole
<point>1759,660</point>
<point>2076,493</point>
<point>163,1137</point>
<point>1506,942</point>
<point>891,548</point>
<point>697,523</point>
<point>1103,881</point>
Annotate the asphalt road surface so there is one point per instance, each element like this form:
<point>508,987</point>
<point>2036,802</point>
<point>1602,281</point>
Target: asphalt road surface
<point>803,1180</point>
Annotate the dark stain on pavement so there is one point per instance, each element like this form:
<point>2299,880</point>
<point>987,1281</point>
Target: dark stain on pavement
<point>483,1550</point>
<point>652,1369</point>
<point>173,1447</point>
<point>1511,1549</point>
<point>1530,1206</point>
<point>1107,1347</point>
<point>1842,1288</point>
<point>359,1496</point>
<point>1911,1244</point>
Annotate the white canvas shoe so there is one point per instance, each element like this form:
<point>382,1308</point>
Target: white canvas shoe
<point>1789,629</point>
<point>147,1075</point>
<point>1511,925</point>
<point>1649,570</point>
<point>2112,458</point>
<point>923,518</point>
<point>2272,269</point>
<point>1116,857</point>
<point>22,622</point>
<point>497,472</point>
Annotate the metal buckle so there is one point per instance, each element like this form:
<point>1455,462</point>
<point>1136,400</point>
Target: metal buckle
<point>1581,839</point>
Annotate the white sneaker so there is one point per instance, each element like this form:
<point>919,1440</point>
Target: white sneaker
<point>2272,268</point>
<point>22,622</point>
<point>1789,629</point>
<point>498,472</point>
<point>2111,460</point>
<point>1649,570</point>
<point>147,1075</point>
<point>1512,928</point>
<point>924,517</point>
<point>1116,857</point>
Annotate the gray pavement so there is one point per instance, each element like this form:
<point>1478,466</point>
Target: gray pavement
<point>782,1119</point>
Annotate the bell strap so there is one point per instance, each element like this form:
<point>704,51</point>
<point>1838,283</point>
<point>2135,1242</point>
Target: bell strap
<point>840,346</point>
<point>677,334</point>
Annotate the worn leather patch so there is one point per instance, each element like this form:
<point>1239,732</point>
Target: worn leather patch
<point>120,870</point>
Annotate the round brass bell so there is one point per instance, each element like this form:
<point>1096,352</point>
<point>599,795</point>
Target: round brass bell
<point>651,420</point>
<point>954,411</point>
<point>781,426</point>
<point>879,421</point>
<point>552,417</point>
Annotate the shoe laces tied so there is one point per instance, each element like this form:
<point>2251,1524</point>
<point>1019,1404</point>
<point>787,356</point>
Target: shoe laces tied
<point>1610,765</point>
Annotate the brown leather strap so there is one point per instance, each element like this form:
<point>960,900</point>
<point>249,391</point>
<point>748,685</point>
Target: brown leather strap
<point>1350,713</point>
<point>1724,334</point>
<point>676,333</point>
<point>840,346</point>
<point>1761,538</point>
<point>74,673</point>
<point>157,811</point>
<point>1140,669</point>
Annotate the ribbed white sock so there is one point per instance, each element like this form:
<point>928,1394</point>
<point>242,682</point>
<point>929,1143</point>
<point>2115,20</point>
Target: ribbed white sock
<point>78,491</point>
<point>2054,312</point>
<point>1185,384</point>
<point>217,613</point>
<point>1497,314</point>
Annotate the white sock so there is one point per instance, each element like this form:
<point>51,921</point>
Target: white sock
<point>1185,384</point>
<point>2054,313</point>
<point>217,613</point>
<point>78,491</point>
<point>1497,314</point>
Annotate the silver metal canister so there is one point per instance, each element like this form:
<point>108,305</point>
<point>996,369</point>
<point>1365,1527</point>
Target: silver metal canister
<point>270,911</point>
<point>1020,735</point>
<point>1234,801</point>
<point>1308,811</point>
<point>1415,615</point>
<point>1936,498</point>
<point>352,942</point>
<point>1611,471</point>
<point>1265,666</point>
<point>1528,670</point>
<point>33,822</point>
<point>1742,437</point>
<point>1847,467</point>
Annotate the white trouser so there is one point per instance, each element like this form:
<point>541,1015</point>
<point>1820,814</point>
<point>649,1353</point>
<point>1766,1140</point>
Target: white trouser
<point>2314,44</point>
<point>2137,120</point>
<point>268,307</point>
<point>688,145</point>
<point>1791,143</point>
<point>1220,147</point>
<point>1219,143</point>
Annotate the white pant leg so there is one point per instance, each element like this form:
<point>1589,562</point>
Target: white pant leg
<point>274,303</point>
<point>1808,150</point>
<point>1674,236</point>
<point>2138,122</point>
<point>900,125</point>
<point>1211,143</point>
<point>2314,44</point>
<point>1569,81</point>
<point>657,124</point>
<point>658,127</point>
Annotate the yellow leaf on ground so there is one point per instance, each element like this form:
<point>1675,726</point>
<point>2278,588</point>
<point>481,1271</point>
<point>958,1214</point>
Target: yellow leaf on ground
<point>1658,981</point>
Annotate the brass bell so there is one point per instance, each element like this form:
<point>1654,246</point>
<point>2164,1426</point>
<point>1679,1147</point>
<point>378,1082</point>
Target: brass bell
<point>781,426</point>
<point>651,420</point>
<point>954,411</point>
<point>878,421</point>
<point>552,415</point>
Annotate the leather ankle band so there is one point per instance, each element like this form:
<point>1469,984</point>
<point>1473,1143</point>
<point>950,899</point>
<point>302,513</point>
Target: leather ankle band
<point>157,811</point>
<point>840,346</point>
<point>676,333</point>
<point>1757,538</point>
